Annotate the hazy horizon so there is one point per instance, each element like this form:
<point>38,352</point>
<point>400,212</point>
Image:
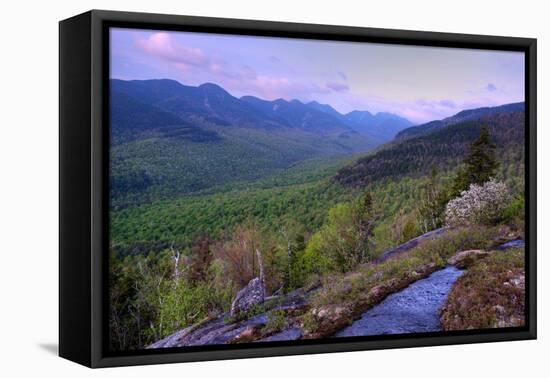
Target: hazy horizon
<point>345,75</point>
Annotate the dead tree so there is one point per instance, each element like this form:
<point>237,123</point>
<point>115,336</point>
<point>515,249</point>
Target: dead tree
<point>176,257</point>
<point>261,266</point>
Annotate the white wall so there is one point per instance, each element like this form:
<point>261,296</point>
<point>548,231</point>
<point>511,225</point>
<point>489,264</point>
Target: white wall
<point>28,187</point>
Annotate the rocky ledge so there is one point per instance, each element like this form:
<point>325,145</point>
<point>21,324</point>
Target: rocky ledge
<point>272,320</point>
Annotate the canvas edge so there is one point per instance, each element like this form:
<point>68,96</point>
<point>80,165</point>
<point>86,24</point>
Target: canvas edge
<point>98,358</point>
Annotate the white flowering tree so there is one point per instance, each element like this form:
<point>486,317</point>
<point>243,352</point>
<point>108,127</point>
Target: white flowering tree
<point>480,204</point>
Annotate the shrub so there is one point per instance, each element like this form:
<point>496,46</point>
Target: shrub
<point>405,227</point>
<point>344,241</point>
<point>276,320</point>
<point>315,260</point>
<point>481,204</point>
<point>516,209</point>
<point>183,304</point>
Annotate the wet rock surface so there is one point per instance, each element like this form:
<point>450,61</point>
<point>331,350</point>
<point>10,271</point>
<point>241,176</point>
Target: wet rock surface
<point>518,243</point>
<point>412,310</point>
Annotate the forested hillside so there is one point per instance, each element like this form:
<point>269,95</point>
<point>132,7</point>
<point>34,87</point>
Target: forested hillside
<point>460,117</point>
<point>444,148</point>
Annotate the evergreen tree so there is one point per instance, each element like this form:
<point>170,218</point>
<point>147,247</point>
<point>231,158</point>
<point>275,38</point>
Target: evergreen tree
<point>480,164</point>
<point>364,220</point>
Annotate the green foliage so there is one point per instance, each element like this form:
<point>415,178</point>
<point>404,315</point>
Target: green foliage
<point>149,302</point>
<point>314,260</point>
<point>153,227</point>
<point>135,285</point>
<point>515,210</point>
<point>292,244</point>
<point>480,165</point>
<point>435,196</point>
<point>276,321</point>
<point>183,304</point>
<point>364,218</point>
<point>308,322</point>
<point>405,227</point>
<point>344,240</point>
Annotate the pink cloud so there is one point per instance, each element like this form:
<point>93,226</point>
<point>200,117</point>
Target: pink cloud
<point>162,46</point>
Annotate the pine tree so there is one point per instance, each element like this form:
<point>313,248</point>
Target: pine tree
<point>364,220</point>
<point>480,164</point>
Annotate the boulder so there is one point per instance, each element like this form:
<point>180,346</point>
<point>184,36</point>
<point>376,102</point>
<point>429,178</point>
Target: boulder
<point>465,259</point>
<point>249,296</point>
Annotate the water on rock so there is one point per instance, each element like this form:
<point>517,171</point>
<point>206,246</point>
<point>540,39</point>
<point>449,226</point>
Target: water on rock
<point>518,243</point>
<point>411,310</point>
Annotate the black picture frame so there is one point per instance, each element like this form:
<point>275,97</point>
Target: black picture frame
<point>84,185</point>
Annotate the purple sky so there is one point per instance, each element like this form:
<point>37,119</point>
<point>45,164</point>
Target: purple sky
<point>420,83</point>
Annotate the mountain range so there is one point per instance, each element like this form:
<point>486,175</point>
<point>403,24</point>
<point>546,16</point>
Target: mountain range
<point>168,138</point>
<point>215,105</point>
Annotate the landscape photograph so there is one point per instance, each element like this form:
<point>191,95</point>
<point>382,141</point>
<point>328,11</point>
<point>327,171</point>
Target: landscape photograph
<point>267,190</point>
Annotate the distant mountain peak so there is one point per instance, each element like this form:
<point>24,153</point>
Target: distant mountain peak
<point>212,88</point>
<point>279,101</point>
<point>325,108</point>
<point>359,114</point>
<point>384,126</point>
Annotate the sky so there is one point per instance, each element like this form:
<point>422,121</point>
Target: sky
<point>419,83</point>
